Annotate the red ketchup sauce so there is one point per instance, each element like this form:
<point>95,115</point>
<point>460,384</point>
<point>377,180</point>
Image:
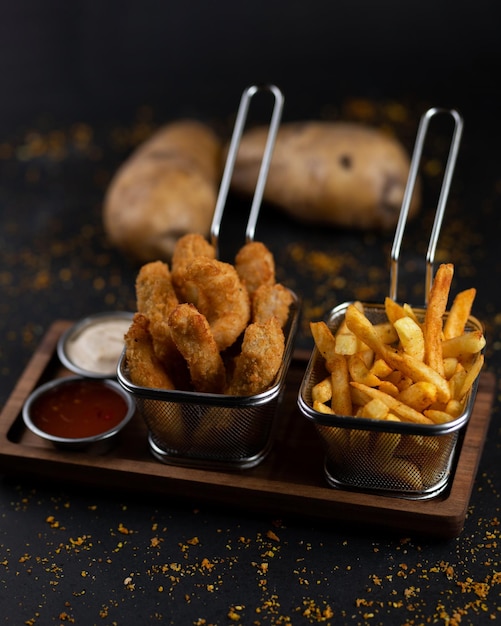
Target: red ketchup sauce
<point>80,408</point>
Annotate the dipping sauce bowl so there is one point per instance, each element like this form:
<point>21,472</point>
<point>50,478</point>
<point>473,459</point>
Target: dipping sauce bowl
<point>92,347</point>
<point>77,412</point>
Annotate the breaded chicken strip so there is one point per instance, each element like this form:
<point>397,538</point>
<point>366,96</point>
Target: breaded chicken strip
<point>255,265</point>
<point>215,289</point>
<point>260,359</point>
<point>156,299</point>
<point>189,247</point>
<point>271,301</point>
<point>193,338</point>
<point>145,369</point>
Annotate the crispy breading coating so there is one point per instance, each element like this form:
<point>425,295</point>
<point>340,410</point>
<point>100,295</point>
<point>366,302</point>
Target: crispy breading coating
<point>189,247</point>
<point>255,265</point>
<point>145,369</point>
<point>271,301</point>
<point>156,299</point>
<point>214,287</point>
<point>194,340</point>
<point>259,361</point>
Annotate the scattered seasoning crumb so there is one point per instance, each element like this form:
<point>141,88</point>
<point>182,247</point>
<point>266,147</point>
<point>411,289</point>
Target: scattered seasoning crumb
<point>400,589</point>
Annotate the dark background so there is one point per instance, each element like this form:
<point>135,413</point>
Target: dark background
<point>81,84</point>
<point>100,60</point>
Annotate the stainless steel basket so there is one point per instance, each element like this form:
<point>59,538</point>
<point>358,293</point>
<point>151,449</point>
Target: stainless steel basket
<point>394,458</point>
<point>215,430</point>
<point>212,430</point>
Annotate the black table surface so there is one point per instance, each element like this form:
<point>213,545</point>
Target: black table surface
<point>91,556</point>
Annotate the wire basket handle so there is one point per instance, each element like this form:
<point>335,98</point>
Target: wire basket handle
<point>232,155</point>
<point>409,190</point>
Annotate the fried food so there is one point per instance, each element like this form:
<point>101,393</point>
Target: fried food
<point>271,301</point>
<point>459,313</point>
<point>214,287</point>
<point>257,365</point>
<point>255,265</point>
<point>422,373</point>
<point>188,248</point>
<point>433,321</point>
<point>198,311</point>
<point>194,340</point>
<point>156,298</point>
<point>145,369</point>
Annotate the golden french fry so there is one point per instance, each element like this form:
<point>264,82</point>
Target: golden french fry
<point>367,357</point>
<point>459,313</point>
<point>384,448</point>
<point>433,321</point>
<point>450,367</point>
<point>418,370</point>
<point>360,372</point>
<point>337,440</point>
<point>387,387</point>
<point>364,330</point>
<point>325,342</point>
<point>409,445</point>
<point>346,343</point>
<point>360,442</point>
<point>454,408</point>
<point>404,471</point>
<point>322,391</point>
<point>393,310</point>
<point>375,409</point>
<point>438,417</point>
<point>419,396</point>
<point>392,418</point>
<point>465,344</point>
<point>386,332</point>
<point>358,397</point>
<point>397,407</point>
<point>411,313</point>
<point>471,376</point>
<point>322,408</point>
<point>456,383</point>
<point>411,337</point>
<point>341,394</point>
<point>397,378</point>
<point>381,369</point>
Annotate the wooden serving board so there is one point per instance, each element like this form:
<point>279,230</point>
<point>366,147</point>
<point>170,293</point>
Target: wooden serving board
<point>289,481</point>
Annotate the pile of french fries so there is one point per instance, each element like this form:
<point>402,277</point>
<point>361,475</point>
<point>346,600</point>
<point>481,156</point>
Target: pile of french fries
<point>404,369</point>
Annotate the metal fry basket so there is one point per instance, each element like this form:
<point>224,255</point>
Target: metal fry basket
<point>392,458</point>
<point>214,430</point>
<point>398,458</point>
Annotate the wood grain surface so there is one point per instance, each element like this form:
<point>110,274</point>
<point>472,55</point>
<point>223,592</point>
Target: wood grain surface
<point>289,481</point>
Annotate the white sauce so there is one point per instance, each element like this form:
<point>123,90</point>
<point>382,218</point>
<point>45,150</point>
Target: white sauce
<point>97,347</point>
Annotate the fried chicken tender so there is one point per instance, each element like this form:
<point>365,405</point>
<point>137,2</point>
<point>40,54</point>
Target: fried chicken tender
<point>188,248</point>
<point>255,265</point>
<point>145,369</point>
<point>271,301</point>
<point>194,340</point>
<point>156,298</point>
<point>257,364</point>
<point>214,287</point>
